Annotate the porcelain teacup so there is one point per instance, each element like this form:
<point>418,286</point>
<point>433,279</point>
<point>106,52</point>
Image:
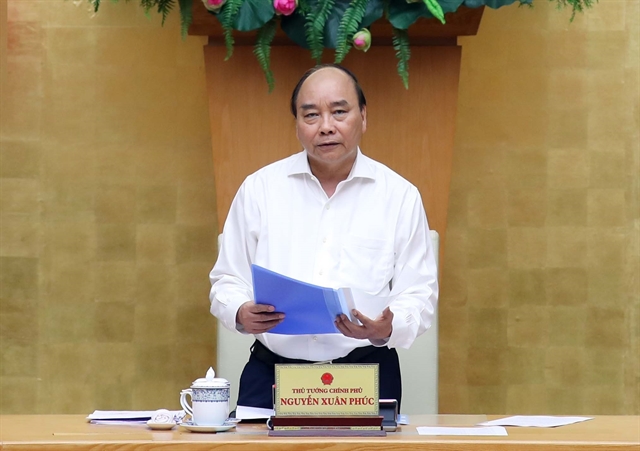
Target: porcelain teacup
<point>209,400</point>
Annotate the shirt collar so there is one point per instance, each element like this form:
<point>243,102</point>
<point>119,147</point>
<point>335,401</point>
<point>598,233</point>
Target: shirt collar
<point>361,168</point>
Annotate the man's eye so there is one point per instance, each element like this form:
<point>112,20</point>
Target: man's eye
<point>310,115</point>
<point>340,112</point>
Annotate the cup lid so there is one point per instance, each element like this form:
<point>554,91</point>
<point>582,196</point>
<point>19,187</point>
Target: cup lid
<point>210,380</point>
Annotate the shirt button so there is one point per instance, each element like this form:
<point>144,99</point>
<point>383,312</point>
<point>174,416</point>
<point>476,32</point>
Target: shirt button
<point>328,207</point>
<point>324,240</point>
<point>320,272</point>
<point>315,338</point>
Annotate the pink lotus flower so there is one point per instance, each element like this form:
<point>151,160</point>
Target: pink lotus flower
<point>362,40</point>
<point>285,7</point>
<point>214,5</point>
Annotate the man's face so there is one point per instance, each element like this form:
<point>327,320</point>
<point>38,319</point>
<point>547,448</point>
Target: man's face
<point>329,122</point>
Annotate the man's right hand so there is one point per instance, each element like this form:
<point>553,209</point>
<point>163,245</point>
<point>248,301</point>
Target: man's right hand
<point>258,318</point>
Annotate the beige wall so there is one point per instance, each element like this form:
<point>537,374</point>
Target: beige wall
<point>540,301</point>
<point>3,46</point>
<point>108,210</point>
<point>108,215</point>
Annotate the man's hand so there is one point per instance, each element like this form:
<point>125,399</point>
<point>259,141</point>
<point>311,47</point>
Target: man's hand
<point>371,329</point>
<point>258,318</point>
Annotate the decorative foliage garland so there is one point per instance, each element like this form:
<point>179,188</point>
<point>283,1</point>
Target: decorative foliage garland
<point>320,24</point>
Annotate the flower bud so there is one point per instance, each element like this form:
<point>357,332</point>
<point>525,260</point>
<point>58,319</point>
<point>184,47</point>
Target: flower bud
<point>214,5</point>
<point>362,40</point>
<point>285,7</point>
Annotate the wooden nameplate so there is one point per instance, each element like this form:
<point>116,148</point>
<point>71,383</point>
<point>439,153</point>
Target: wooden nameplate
<point>327,426</point>
<point>355,421</point>
<point>327,433</point>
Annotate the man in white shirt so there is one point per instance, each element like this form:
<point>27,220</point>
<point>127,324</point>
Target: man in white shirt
<point>333,217</point>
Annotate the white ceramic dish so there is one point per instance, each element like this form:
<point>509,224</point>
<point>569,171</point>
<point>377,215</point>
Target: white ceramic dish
<point>188,425</point>
<point>160,426</point>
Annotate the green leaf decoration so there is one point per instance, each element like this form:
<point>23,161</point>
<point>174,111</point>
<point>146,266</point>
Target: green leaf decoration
<point>227,16</point>
<point>253,14</point>
<point>186,16</point>
<point>164,8</point>
<point>320,24</point>
<point>315,21</point>
<point>385,5</point>
<point>349,25</point>
<point>304,7</point>
<point>435,9</point>
<point>335,17</point>
<point>451,6</point>
<point>400,41</point>
<point>577,6</point>
<point>294,26</point>
<point>490,3</point>
<point>330,32</point>
<point>262,50</point>
<point>374,11</point>
<point>147,5</point>
<point>402,14</point>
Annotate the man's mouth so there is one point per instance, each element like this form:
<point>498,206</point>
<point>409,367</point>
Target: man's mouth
<point>328,144</point>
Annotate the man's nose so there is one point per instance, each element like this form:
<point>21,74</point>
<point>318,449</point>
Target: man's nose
<point>327,126</point>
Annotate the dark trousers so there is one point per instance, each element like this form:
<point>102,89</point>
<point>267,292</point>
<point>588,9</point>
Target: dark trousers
<point>258,376</point>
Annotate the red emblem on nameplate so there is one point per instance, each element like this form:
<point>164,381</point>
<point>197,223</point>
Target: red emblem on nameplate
<point>326,378</point>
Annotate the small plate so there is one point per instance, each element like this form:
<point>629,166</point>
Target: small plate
<point>160,426</point>
<point>188,425</point>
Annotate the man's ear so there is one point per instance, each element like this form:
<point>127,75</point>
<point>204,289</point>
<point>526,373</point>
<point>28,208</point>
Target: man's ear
<point>364,118</point>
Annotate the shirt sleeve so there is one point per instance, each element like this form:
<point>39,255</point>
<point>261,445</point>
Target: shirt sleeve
<point>415,282</point>
<point>230,277</point>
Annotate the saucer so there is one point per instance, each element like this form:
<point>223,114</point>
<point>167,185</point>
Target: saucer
<point>161,426</point>
<point>188,425</point>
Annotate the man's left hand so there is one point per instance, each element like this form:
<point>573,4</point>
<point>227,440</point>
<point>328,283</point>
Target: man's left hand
<point>371,329</point>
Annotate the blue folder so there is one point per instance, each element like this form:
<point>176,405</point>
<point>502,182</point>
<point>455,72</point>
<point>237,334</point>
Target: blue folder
<point>309,309</point>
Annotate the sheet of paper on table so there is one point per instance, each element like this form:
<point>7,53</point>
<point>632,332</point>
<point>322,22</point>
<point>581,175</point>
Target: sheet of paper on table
<point>120,422</point>
<point>129,416</point>
<point>537,421</point>
<point>458,431</point>
<point>253,413</point>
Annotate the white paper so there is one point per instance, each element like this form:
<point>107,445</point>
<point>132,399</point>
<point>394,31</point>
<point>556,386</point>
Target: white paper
<point>369,305</point>
<point>128,415</point>
<point>121,414</point>
<point>120,422</point>
<point>443,430</point>
<point>253,413</point>
<point>538,421</point>
<point>403,419</point>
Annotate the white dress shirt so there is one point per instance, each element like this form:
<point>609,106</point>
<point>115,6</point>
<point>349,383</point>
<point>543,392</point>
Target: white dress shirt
<point>372,229</point>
